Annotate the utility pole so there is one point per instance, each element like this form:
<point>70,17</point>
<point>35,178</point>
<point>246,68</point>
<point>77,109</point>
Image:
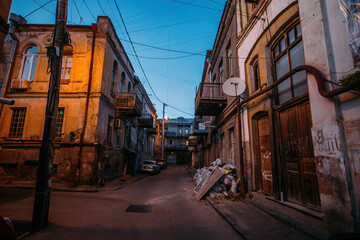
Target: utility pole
<point>47,150</point>
<point>163,133</point>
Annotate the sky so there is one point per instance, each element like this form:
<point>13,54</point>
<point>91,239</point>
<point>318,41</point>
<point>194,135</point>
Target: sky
<point>170,38</point>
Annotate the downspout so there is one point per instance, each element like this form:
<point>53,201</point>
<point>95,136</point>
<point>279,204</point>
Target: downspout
<point>321,88</point>
<point>10,63</point>
<point>94,28</point>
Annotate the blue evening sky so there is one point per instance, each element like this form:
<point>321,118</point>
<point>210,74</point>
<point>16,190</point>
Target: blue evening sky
<point>186,26</point>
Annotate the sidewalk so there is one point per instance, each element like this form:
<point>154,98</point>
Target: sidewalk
<point>254,220</point>
<point>23,227</point>
<point>116,183</point>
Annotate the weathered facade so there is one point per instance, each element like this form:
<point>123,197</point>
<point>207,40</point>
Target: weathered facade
<point>176,140</point>
<point>114,103</point>
<point>300,126</point>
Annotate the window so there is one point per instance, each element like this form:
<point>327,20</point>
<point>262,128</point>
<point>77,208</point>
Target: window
<point>30,57</point>
<point>129,87</point>
<point>59,122</point>
<point>351,12</point>
<point>123,78</point>
<point>255,75</point>
<point>231,147</point>
<point>110,129</point>
<point>17,122</point>
<point>66,67</point>
<point>288,53</point>
<point>180,130</point>
<point>186,130</point>
<point>113,76</point>
<point>221,72</point>
<point>180,142</point>
<point>170,142</point>
<point>229,58</point>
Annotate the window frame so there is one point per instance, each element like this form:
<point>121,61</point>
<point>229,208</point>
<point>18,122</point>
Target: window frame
<point>64,67</point>
<point>60,122</point>
<point>110,128</point>
<point>20,119</point>
<point>276,56</point>
<point>32,67</point>
<point>114,75</point>
<point>255,74</point>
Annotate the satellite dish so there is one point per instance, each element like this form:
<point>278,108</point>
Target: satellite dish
<point>234,86</point>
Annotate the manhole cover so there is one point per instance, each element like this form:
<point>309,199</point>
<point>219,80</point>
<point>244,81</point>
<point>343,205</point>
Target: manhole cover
<point>139,208</point>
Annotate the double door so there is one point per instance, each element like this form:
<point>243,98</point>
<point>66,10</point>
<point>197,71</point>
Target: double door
<point>297,156</point>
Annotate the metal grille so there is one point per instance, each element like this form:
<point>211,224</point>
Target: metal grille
<point>60,121</point>
<point>17,122</point>
<point>8,170</point>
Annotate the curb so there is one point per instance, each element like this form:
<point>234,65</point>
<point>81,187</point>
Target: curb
<point>228,220</point>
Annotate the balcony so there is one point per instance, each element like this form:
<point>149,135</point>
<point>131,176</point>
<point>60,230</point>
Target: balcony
<point>152,131</point>
<point>128,105</point>
<point>145,122</point>
<point>210,99</point>
<point>176,147</point>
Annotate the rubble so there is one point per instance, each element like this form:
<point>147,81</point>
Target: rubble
<point>219,181</point>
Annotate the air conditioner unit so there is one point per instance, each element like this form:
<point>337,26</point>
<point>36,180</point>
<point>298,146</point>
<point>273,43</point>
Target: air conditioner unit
<point>19,84</point>
<point>118,123</point>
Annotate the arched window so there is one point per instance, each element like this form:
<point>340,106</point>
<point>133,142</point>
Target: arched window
<point>113,76</point>
<point>123,77</point>
<point>29,63</point>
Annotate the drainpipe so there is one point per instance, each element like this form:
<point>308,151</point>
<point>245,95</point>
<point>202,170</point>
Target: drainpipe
<point>321,88</point>
<point>94,28</point>
<point>14,19</point>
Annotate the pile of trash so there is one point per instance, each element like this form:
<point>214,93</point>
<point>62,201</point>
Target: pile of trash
<point>219,181</point>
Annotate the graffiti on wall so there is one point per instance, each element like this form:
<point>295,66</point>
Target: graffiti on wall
<point>327,141</point>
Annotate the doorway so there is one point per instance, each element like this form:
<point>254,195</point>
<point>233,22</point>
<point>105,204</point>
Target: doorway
<point>297,152</point>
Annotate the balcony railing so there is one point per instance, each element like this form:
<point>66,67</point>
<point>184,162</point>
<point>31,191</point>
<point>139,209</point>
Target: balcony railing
<point>128,105</point>
<point>176,147</point>
<point>210,99</point>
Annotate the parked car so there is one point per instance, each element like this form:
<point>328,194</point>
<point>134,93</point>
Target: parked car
<point>162,163</point>
<point>7,231</point>
<point>150,166</point>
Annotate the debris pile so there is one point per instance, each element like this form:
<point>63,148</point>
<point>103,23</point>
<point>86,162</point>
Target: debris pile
<point>218,180</point>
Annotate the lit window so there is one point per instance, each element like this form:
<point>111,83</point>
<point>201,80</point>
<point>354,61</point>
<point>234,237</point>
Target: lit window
<point>30,57</point>
<point>60,121</point>
<point>17,122</point>
<point>66,67</point>
<point>180,131</point>
<point>186,130</point>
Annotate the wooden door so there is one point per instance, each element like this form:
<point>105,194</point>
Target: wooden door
<point>298,156</point>
<point>264,154</point>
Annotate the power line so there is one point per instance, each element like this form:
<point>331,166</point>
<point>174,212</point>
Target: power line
<point>38,8</point>
<point>141,67</point>
<point>196,5</point>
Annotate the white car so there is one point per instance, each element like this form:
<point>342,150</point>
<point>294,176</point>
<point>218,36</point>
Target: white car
<point>150,166</point>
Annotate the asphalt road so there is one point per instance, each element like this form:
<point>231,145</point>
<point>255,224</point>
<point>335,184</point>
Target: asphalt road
<point>161,207</point>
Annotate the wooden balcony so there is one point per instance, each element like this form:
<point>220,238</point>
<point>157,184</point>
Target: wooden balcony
<point>210,99</point>
<point>128,105</point>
